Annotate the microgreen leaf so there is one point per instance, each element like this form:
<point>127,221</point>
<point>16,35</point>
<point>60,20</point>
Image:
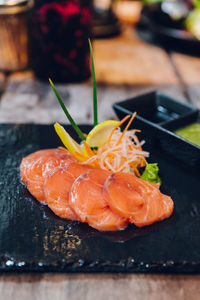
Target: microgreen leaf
<point>74,125</point>
<point>94,86</point>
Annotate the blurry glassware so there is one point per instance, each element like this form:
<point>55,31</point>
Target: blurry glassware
<point>105,21</point>
<point>59,39</point>
<point>175,9</point>
<point>14,15</point>
<point>128,11</point>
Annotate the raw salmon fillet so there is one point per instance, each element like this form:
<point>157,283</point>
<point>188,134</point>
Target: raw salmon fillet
<point>76,169</point>
<point>57,188</point>
<point>36,166</point>
<point>138,200</point>
<point>88,202</point>
<point>106,201</point>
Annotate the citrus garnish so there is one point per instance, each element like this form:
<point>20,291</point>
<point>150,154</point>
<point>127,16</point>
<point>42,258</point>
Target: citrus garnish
<point>100,133</point>
<point>73,147</point>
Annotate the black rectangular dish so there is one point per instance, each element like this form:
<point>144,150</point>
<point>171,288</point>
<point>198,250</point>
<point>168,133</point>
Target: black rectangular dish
<point>161,116</point>
<point>33,239</point>
<point>156,107</point>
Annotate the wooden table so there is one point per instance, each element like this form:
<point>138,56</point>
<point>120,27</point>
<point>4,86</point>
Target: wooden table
<point>125,66</point>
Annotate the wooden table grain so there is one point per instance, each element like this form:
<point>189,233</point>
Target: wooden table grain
<point>99,286</point>
<point>125,66</point>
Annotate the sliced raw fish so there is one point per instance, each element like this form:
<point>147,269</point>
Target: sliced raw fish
<point>57,188</point>
<point>36,166</point>
<point>138,200</point>
<point>87,199</point>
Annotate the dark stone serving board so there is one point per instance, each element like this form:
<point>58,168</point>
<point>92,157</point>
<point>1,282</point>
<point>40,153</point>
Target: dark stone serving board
<point>33,239</point>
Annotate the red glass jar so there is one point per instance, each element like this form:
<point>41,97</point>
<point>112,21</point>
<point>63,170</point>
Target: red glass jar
<point>59,40</point>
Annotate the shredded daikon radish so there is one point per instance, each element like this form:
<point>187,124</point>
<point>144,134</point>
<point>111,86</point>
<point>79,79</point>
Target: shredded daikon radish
<point>126,155</point>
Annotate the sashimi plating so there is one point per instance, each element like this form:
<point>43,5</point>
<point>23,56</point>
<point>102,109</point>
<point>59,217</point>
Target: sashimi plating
<point>104,181</point>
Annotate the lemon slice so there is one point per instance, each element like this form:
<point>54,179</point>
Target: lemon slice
<point>73,147</point>
<point>100,133</point>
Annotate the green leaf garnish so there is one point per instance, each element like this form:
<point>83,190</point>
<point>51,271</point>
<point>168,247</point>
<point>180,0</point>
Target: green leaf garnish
<point>94,86</point>
<point>94,148</point>
<point>151,173</point>
<point>74,125</point>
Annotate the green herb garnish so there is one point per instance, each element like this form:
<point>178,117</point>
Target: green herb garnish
<point>94,148</point>
<point>151,173</point>
<point>94,86</point>
<point>74,125</point>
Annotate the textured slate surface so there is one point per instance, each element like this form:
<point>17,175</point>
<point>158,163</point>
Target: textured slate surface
<point>32,238</point>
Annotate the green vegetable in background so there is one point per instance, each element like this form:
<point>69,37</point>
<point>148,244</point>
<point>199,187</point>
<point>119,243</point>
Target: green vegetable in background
<point>193,22</point>
<point>196,3</point>
<point>151,173</point>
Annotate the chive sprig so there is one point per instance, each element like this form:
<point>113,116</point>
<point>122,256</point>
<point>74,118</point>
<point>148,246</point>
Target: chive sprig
<point>95,110</point>
<point>74,125</point>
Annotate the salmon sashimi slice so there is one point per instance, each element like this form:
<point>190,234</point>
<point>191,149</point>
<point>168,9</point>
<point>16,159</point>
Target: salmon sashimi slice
<point>57,188</point>
<point>124,197</point>
<point>76,169</point>
<point>155,209</point>
<point>87,199</point>
<point>35,167</point>
<point>138,200</point>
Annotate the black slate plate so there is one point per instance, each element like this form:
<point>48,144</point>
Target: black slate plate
<point>32,238</point>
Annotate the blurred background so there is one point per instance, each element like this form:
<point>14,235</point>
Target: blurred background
<point>138,46</point>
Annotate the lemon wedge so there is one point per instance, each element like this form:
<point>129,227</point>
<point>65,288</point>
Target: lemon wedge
<point>73,147</point>
<point>100,133</point>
